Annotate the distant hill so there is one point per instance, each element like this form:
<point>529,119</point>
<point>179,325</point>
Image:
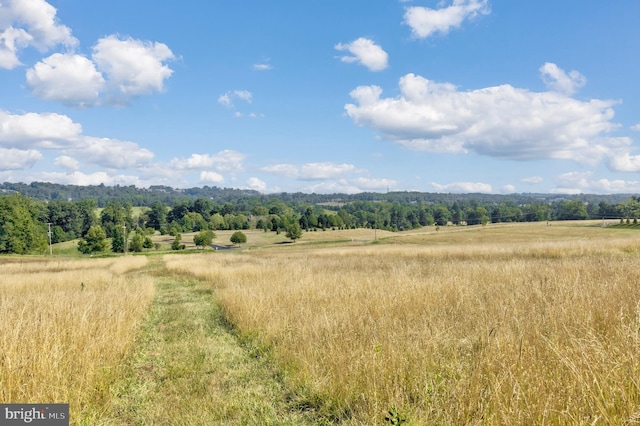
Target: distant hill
<point>167,195</point>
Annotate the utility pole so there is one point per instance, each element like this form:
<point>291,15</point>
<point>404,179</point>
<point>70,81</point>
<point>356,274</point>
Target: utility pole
<point>125,238</point>
<point>49,234</point>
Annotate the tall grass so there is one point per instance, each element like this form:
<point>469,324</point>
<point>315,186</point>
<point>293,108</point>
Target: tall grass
<point>64,326</point>
<point>510,333</point>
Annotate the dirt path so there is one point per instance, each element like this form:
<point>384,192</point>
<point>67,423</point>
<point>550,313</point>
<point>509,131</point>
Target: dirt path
<point>189,369</point>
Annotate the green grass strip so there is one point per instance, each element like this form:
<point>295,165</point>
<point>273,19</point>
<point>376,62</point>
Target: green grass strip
<point>189,369</point>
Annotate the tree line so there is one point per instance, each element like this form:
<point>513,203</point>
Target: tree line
<point>27,225</point>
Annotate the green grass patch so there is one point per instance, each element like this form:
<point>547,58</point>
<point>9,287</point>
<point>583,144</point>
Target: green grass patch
<point>188,368</point>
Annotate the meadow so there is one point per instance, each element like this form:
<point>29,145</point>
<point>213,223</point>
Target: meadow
<point>65,325</point>
<point>512,324</point>
<point>522,324</point>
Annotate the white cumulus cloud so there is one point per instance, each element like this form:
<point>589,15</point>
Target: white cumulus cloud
<point>463,187</point>
<point>365,52</point>
<point>256,184</point>
<point>67,78</point>
<point>287,170</point>
<point>319,171</point>
<point>372,184</point>
<point>133,67</point>
<point>225,161</point>
<point>425,22</point>
<point>211,177</point>
<point>46,130</point>
<point>18,159</point>
<point>25,23</point>
<point>557,79</point>
<point>59,133</point>
<point>502,121</point>
<point>67,162</point>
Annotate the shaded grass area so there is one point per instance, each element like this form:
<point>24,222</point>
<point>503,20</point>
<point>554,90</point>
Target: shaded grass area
<point>190,369</point>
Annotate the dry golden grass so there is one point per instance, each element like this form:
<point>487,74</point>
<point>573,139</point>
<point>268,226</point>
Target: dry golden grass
<point>64,326</point>
<point>539,329</point>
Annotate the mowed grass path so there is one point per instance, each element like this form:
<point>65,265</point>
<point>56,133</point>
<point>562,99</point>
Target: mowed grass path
<point>190,369</point>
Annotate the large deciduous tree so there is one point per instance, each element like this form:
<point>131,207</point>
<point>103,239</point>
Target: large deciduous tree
<point>203,238</point>
<point>21,230</point>
<point>238,237</point>
<point>294,231</point>
<point>94,241</point>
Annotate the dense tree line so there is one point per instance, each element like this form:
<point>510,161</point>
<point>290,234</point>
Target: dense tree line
<point>26,223</point>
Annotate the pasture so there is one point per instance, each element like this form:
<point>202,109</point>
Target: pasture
<point>503,324</point>
<point>65,325</point>
<point>513,324</point>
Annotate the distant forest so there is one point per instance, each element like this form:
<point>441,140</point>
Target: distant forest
<point>28,211</point>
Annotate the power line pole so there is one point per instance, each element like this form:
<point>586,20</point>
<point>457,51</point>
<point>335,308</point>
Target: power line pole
<point>49,234</point>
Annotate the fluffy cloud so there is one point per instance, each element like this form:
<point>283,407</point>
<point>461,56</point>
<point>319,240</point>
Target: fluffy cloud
<point>463,187</point>
<point>11,41</point>
<point>84,179</point>
<point>211,177</point>
<point>18,159</point>
<point>26,23</point>
<point>503,122</point>
<point>256,184</point>
<point>425,22</point>
<point>371,184</point>
<point>319,171</point>
<point>508,189</point>
<point>287,170</point>
<point>67,78</point>
<point>47,130</point>
<point>341,186</point>
<point>134,67</point>
<point>111,153</point>
<point>561,81</point>
<point>119,70</point>
<point>67,162</point>
<point>225,161</point>
<point>58,132</point>
<point>365,52</point>
<point>585,183</point>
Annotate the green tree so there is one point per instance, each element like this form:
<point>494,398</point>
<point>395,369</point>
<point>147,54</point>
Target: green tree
<point>175,245</point>
<point>137,242</point>
<point>203,238</point>
<point>148,242</point>
<point>157,216</point>
<point>294,232</point>
<point>94,241</point>
<point>572,210</point>
<point>114,216</point>
<point>21,232</point>
<point>118,239</point>
<point>238,237</point>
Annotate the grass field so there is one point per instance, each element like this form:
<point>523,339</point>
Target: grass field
<point>65,324</point>
<point>512,324</point>
<point>521,324</point>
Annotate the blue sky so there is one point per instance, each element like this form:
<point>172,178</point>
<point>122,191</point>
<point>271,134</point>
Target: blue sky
<point>492,96</point>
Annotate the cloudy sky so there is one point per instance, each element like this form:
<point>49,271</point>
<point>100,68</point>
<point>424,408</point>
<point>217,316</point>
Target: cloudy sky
<point>493,96</point>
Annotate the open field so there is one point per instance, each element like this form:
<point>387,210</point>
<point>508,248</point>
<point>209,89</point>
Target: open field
<point>64,327</point>
<point>503,324</point>
<point>512,324</point>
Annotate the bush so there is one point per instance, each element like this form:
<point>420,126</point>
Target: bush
<point>238,237</point>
